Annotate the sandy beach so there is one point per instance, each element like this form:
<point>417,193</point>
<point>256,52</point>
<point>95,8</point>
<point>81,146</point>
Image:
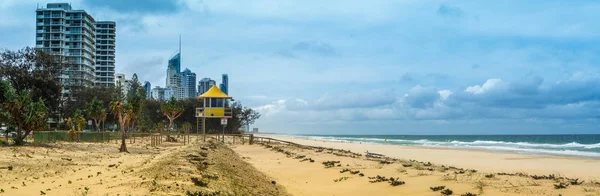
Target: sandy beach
<point>308,167</point>
<point>462,171</point>
<point>77,169</point>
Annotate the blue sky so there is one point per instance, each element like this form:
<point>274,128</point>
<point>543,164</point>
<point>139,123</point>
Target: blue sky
<point>369,67</point>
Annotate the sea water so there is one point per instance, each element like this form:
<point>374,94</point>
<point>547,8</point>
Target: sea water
<point>562,145</point>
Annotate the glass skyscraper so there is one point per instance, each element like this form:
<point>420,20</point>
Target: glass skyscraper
<point>189,83</point>
<point>224,84</point>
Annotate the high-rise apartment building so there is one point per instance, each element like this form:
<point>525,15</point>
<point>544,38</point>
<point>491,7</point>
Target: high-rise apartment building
<point>173,68</point>
<point>87,45</point>
<point>105,53</point>
<point>63,31</point>
<point>162,94</point>
<point>189,83</point>
<point>224,86</point>
<point>204,85</point>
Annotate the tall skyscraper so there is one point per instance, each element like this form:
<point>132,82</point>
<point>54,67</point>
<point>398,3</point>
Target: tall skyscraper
<point>105,53</point>
<point>69,33</point>
<point>204,85</point>
<point>189,83</point>
<point>173,68</point>
<point>224,84</point>
<point>148,89</point>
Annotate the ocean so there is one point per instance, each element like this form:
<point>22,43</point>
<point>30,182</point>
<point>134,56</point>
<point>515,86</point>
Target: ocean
<point>562,145</point>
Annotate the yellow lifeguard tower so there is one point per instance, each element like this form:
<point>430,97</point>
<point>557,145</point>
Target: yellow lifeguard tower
<point>214,106</point>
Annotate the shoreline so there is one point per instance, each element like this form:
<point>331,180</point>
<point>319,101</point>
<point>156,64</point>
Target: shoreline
<point>484,160</point>
<point>548,155</point>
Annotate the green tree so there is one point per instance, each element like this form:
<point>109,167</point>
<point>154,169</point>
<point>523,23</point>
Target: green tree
<point>21,111</point>
<point>171,110</point>
<point>135,99</point>
<point>186,127</point>
<point>34,71</point>
<point>242,116</point>
<point>95,110</point>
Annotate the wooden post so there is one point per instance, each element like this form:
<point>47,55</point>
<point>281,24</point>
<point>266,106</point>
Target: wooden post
<point>251,139</point>
<point>203,129</point>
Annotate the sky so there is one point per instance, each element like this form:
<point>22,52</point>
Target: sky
<point>368,67</point>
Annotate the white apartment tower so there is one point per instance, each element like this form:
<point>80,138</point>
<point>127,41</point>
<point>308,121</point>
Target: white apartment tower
<point>63,31</point>
<point>105,53</point>
<point>60,30</point>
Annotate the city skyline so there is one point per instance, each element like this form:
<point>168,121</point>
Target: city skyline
<point>435,67</point>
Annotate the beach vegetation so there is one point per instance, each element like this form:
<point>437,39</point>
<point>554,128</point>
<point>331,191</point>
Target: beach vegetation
<point>330,164</point>
<point>437,188</point>
<point>479,185</point>
<point>449,177</point>
<point>447,192</point>
<point>341,179</point>
<point>396,182</point>
<point>561,185</point>
<point>401,170</point>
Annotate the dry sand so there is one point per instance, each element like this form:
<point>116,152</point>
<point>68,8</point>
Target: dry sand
<point>283,163</point>
<point>99,169</point>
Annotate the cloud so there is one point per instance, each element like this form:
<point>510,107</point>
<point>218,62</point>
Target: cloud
<point>148,6</point>
<point>449,11</point>
<point>314,47</point>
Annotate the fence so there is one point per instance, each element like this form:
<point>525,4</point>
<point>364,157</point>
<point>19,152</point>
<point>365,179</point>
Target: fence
<point>53,136</point>
<point>155,138</point>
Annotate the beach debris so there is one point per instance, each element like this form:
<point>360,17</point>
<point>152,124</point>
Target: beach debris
<point>202,193</point>
<point>361,174</point>
<point>437,188</point>
<point>344,170</point>
<point>396,182</point>
<point>378,178</point>
<point>300,157</point>
<point>112,165</point>
<point>459,172</point>
<point>575,181</point>
<point>428,164</point>
<point>273,182</point>
<point>10,168</point>
<point>544,177</point>
<point>329,164</point>
<point>199,182</point>
<point>406,165</point>
<point>489,175</point>
<point>66,159</point>
<point>203,148</point>
<point>307,159</point>
<point>341,179</point>
<point>513,174</point>
<point>42,193</point>
<point>209,176</point>
<point>354,172</point>
<point>385,162</point>
<point>561,185</point>
<point>447,192</point>
<point>468,194</point>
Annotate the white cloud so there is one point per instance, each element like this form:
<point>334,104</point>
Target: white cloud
<point>487,86</point>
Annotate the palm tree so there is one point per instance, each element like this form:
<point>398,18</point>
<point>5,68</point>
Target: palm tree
<point>122,112</point>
